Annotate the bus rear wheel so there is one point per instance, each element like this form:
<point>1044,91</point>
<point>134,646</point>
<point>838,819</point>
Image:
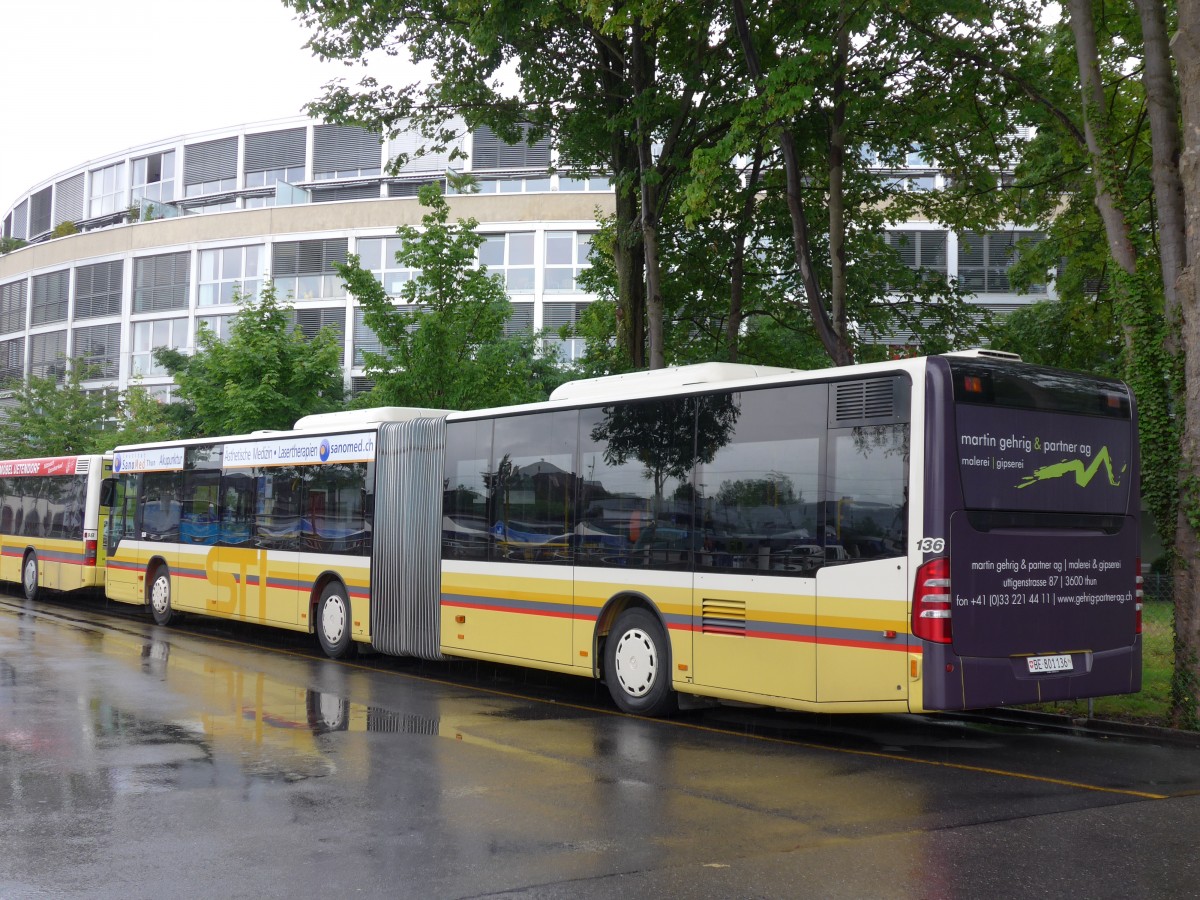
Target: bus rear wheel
<point>159,596</point>
<point>637,667</point>
<point>333,622</point>
<point>29,576</point>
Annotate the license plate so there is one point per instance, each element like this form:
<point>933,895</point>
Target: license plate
<point>1050,664</point>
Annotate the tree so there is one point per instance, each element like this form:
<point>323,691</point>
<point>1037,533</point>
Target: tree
<point>53,417</point>
<point>267,375</point>
<point>443,344</point>
<point>140,419</point>
<point>9,244</point>
<point>1073,332</point>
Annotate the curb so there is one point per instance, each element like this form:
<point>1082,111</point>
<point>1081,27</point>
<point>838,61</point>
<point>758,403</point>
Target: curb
<point>1086,726</point>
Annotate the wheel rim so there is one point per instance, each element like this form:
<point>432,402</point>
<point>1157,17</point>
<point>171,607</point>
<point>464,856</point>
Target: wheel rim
<point>160,595</point>
<point>636,662</point>
<point>30,575</point>
<point>333,618</point>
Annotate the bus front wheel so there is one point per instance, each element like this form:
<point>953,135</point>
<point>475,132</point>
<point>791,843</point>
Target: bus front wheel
<point>333,622</point>
<point>29,576</point>
<point>160,596</point>
<point>637,666</point>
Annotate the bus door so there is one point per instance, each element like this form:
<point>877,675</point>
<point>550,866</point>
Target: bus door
<point>862,587</point>
<point>757,547</point>
<point>120,538</point>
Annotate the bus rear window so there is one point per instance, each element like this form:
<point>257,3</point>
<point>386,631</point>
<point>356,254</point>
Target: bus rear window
<point>1032,387</point>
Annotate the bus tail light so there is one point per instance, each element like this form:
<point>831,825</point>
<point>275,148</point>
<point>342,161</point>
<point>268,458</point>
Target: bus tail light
<point>931,602</point>
<point>89,552</point>
<point>1139,595</point>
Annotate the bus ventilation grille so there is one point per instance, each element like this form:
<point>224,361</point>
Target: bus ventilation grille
<point>83,466</point>
<point>874,399</point>
<point>723,617</point>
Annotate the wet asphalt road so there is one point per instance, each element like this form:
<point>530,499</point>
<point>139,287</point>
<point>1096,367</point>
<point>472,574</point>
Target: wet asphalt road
<point>138,762</point>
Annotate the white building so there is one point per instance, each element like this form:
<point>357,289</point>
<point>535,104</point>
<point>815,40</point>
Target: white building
<point>284,199</point>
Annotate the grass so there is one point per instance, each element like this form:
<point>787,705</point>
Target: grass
<point>1151,704</point>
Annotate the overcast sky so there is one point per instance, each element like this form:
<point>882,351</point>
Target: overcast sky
<point>80,80</point>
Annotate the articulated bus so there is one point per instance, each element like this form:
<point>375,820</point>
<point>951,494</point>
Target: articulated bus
<point>943,533</point>
<point>51,520</point>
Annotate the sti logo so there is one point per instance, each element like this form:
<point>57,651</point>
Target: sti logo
<point>324,451</point>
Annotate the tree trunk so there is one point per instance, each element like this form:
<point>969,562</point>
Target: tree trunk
<point>1163,103</point>
<point>836,345</point>
<point>1186,48</point>
<point>837,173</point>
<point>1116,228</point>
<point>629,261</point>
<point>642,69</point>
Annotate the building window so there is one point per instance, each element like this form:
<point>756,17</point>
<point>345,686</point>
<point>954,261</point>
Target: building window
<point>520,321</point>
<point>154,177</point>
<point>555,317</point>
<point>210,167</point>
<point>161,282</point>
<point>984,260</point>
<point>378,256</point>
<point>511,257</point>
<point>108,191</point>
<point>12,359</point>
<point>12,305</point>
<point>48,354</point>
<point>275,156</point>
<point>98,350</point>
<point>345,151</point>
<point>51,293</point>
<point>566,256</point>
<point>303,270</point>
<point>98,290</point>
<point>228,272</point>
<point>364,339</point>
<point>148,336</point>
<point>218,325</point>
<point>569,183</point>
<point>922,251</point>
<point>268,177</point>
<point>310,322</point>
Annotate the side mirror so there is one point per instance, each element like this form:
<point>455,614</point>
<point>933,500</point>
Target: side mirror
<point>108,493</point>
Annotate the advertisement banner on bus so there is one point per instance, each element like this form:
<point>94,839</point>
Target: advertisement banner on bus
<point>155,459</point>
<point>50,465</point>
<point>1043,461</point>
<point>300,451</point>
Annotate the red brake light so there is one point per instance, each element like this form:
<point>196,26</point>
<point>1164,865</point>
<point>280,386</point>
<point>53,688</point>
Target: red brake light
<point>1138,597</point>
<point>89,553</point>
<point>931,602</point>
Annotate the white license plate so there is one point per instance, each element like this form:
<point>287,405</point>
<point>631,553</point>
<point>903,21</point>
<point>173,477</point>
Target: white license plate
<point>1050,664</point>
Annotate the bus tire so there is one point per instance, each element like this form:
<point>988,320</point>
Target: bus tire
<point>159,596</point>
<point>333,622</point>
<point>638,665</point>
<point>29,576</point>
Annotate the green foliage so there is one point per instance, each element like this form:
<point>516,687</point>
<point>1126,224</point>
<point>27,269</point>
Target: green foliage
<point>64,229</point>
<point>9,244</point>
<point>1075,332</point>
<point>267,375</point>
<point>50,417</point>
<point>443,343</point>
<point>140,419</point>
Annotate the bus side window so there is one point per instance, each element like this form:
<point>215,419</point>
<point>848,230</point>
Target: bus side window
<point>866,515</point>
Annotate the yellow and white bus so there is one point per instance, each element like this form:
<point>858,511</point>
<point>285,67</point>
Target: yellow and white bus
<point>940,533</point>
<point>51,521</point>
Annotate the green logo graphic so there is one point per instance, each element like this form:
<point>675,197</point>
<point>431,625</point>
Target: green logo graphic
<point>1083,475</point>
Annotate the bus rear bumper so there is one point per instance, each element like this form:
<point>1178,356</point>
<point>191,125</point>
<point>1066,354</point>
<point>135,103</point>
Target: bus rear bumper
<point>952,682</point>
